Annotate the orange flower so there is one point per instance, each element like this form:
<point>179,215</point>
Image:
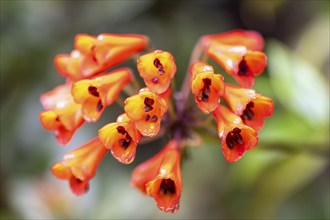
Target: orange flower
<point>79,165</point>
<point>121,138</point>
<point>238,61</point>
<point>147,110</point>
<point>95,94</point>
<point>62,115</point>
<point>251,107</point>
<point>250,39</point>
<point>157,69</point>
<point>206,86</point>
<point>160,177</point>
<point>93,55</point>
<point>236,137</point>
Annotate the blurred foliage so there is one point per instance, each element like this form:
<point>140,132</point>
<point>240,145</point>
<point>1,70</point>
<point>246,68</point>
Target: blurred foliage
<point>286,176</point>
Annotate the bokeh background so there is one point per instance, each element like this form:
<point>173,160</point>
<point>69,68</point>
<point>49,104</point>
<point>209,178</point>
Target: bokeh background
<point>285,177</point>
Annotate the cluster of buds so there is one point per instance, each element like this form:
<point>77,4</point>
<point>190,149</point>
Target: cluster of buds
<point>155,110</point>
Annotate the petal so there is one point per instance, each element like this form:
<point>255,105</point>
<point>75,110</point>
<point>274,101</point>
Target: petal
<point>150,168</point>
<point>256,61</point>
<point>69,65</point>
<point>157,69</point>
<point>207,88</point>
<point>111,84</point>
<point>263,107</point>
<point>60,171</point>
<point>249,141</point>
<point>134,107</point>
<point>79,187</point>
<point>84,43</point>
<point>250,39</point>
<point>57,97</point>
<point>112,49</point>
<point>237,97</point>
<point>109,134</point>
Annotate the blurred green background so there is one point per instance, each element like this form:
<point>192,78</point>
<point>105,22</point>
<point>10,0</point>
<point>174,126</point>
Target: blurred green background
<point>285,177</point>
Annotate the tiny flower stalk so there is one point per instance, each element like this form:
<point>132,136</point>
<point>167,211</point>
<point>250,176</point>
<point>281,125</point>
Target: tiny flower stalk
<point>160,177</point>
<point>242,64</point>
<point>97,93</point>
<point>206,86</point>
<point>122,138</point>
<point>235,135</point>
<point>62,115</point>
<point>79,165</point>
<point>251,107</point>
<point>155,110</point>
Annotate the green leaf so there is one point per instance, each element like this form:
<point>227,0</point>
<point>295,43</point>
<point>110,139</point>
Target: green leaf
<point>298,85</point>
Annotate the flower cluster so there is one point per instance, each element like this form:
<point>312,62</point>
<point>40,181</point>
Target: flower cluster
<point>90,87</point>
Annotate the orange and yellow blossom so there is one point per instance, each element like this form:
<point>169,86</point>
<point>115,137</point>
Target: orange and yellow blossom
<point>160,177</point>
<point>250,106</point>
<point>79,165</point>
<point>235,135</point>
<point>206,86</point>
<point>95,54</point>
<point>97,93</point>
<point>242,64</point>
<point>122,138</point>
<point>62,115</point>
<point>147,110</point>
<point>157,69</point>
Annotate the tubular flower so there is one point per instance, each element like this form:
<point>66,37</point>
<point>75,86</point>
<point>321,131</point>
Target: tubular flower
<point>157,109</point>
<point>251,107</point>
<point>157,69</point>
<point>252,40</point>
<point>95,94</point>
<point>147,110</point>
<point>235,135</point>
<point>160,177</point>
<point>206,86</point>
<point>121,138</point>
<point>239,62</point>
<point>79,165</point>
<point>62,115</point>
<point>93,55</point>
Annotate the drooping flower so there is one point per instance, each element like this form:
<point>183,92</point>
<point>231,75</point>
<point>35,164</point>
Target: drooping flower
<point>242,64</point>
<point>62,115</point>
<point>147,110</point>
<point>160,177</point>
<point>235,135</point>
<point>206,86</point>
<point>79,165</point>
<point>93,55</point>
<point>122,138</point>
<point>251,107</point>
<point>157,69</point>
<point>252,40</point>
<point>97,93</point>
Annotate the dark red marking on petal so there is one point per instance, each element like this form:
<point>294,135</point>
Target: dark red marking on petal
<point>99,106</point>
<point>167,186</point>
<point>154,118</point>
<point>243,68</point>
<point>160,67</point>
<point>248,113</point>
<point>93,91</point>
<point>121,130</point>
<point>147,117</point>
<point>234,137</point>
<point>205,92</point>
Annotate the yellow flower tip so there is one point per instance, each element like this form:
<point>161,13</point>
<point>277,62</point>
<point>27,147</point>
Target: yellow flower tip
<point>157,69</point>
